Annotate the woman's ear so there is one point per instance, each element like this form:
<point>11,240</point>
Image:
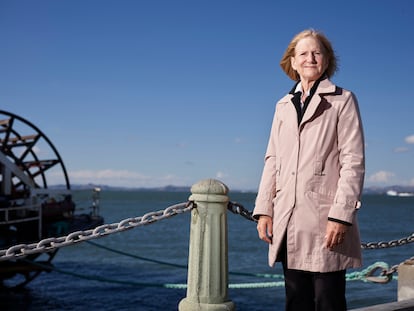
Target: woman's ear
<point>293,63</point>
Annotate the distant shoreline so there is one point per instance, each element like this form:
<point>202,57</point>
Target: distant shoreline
<point>170,188</point>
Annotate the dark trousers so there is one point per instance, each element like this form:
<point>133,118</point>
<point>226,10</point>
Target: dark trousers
<point>314,291</point>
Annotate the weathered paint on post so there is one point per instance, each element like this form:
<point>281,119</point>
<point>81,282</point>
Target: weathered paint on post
<point>405,291</point>
<point>207,283</point>
<point>406,280</point>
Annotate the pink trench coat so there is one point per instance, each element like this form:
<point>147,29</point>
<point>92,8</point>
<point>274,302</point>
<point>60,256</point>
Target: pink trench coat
<point>313,172</point>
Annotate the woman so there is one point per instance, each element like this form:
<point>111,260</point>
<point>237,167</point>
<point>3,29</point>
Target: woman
<point>312,179</point>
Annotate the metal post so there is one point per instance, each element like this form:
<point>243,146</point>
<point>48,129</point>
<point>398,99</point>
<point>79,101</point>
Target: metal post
<point>207,284</point>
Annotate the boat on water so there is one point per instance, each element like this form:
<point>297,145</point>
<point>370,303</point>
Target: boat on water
<point>394,193</point>
<point>31,210</point>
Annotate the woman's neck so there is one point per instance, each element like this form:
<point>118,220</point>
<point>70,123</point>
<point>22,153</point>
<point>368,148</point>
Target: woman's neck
<point>307,85</point>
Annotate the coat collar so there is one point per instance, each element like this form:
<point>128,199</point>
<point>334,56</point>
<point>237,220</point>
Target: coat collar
<point>325,87</point>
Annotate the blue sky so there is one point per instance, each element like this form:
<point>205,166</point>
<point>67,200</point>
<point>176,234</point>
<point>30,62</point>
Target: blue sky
<point>154,93</point>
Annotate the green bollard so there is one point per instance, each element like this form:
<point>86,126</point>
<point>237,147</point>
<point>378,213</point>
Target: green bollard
<point>406,280</point>
<point>207,284</point>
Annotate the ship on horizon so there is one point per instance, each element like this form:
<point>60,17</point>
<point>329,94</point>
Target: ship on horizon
<point>393,193</point>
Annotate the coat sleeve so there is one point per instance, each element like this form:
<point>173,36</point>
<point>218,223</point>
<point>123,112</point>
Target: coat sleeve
<point>352,162</point>
<point>267,187</point>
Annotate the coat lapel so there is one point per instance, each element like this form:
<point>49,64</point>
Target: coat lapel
<point>289,113</point>
<point>325,87</point>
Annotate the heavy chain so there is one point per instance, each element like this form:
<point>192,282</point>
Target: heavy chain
<point>385,275</point>
<point>392,243</point>
<point>47,245</point>
<point>237,208</point>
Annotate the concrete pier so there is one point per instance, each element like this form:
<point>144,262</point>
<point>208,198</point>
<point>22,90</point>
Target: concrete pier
<point>406,305</point>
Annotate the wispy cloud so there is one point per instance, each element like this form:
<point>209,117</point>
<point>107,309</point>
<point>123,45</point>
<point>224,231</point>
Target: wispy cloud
<point>238,140</point>
<point>108,173</point>
<point>221,175</point>
<point>409,139</point>
<point>401,149</point>
<point>381,177</point>
<point>181,145</point>
<point>121,178</point>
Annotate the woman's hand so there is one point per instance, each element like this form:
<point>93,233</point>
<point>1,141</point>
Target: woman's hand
<point>335,233</point>
<point>265,228</point>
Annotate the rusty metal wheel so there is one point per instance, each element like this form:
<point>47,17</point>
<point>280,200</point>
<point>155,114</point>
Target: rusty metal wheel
<point>28,160</point>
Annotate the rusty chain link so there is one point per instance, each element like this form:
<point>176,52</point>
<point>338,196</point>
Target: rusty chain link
<point>49,244</point>
<point>385,275</point>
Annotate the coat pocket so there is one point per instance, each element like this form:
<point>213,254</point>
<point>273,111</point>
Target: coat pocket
<point>279,182</point>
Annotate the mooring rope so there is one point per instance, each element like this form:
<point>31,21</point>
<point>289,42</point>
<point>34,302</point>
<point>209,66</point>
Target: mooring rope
<point>354,276</point>
<point>258,275</point>
<point>136,256</point>
<point>365,275</point>
<point>50,244</point>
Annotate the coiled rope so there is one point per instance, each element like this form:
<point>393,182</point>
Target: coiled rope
<point>364,275</point>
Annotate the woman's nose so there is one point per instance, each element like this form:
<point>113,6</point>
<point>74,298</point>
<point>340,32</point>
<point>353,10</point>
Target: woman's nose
<point>311,58</point>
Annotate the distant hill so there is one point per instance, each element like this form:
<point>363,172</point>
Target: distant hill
<point>168,188</point>
<point>171,188</point>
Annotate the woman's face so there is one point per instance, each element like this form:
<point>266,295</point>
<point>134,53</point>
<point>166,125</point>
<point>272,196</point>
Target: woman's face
<point>309,60</point>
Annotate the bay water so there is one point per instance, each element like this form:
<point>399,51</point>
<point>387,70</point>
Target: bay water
<point>130,269</point>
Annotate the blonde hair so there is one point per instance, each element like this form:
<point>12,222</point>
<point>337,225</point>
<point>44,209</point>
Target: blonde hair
<point>286,64</point>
